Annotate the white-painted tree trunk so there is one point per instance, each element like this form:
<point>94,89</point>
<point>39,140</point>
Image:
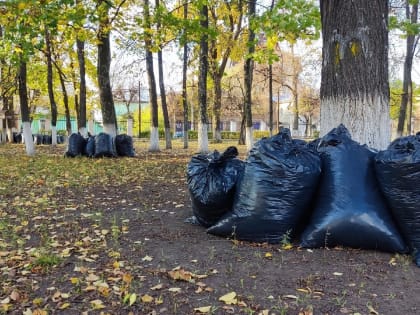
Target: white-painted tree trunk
<point>83,131</point>
<point>154,140</point>
<point>110,129</point>
<point>130,127</point>
<point>27,136</point>
<point>367,119</point>
<point>54,135</point>
<point>203,138</point>
<point>249,139</point>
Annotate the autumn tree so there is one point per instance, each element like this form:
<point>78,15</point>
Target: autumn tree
<point>226,18</point>
<point>354,78</point>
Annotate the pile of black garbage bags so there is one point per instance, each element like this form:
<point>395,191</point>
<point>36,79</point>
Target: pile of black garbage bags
<point>329,192</point>
<point>38,138</point>
<point>101,145</point>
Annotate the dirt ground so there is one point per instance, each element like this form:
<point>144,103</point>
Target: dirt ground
<point>108,236</point>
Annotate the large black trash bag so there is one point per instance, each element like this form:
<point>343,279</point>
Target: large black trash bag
<point>104,146</point>
<point>274,193</point>
<point>76,145</point>
<point>350,209</point>
<point>124,145</point>
<point>212,182</point>
<point>90,146</point>
<point>398,172</point>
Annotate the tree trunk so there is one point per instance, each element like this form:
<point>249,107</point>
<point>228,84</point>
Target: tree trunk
<point>248,73</point>
<point>65,101</point>
<point>168,142</point>
<point>407,94</point>
<point>76,96</point>
<point>270,98</point>
<point>184,80</point>
<point>203,142</point>
<point>51,88</point>
<point>354,81</point>
<point>154,128</point>
<point>81,117</point>
<point>104,83</point>
<point>24,110</point>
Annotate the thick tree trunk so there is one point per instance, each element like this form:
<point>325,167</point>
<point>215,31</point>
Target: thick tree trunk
<point>203,142</point>
<point>24,110</point>
<point>354,82</point>
<point>248,70</point>
<point>407,94</point>
<point>53,104</point>
<point>184,81</point>
<point>104,83</point>
<point>81,117</point>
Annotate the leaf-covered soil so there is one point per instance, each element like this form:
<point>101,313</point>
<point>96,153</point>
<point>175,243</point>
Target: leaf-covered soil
<point>107,236</point>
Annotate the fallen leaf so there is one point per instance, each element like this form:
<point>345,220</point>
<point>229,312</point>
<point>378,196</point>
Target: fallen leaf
<point>147,258</point>
<point>64,306</point>
<point>157,287</point>
<point>203,309</point>
<point>92,278</point>
<point>268,255</point>
<point>147,298</point>
<point>174,290</point>
<point>337,273</point>
<point>372,310</point>
<point>97,304</point>
<point>229,298</point>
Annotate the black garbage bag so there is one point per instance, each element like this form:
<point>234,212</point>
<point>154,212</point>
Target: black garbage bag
<point>274,193</point>
<point>212,180</point>
<point>104,146</point>
<point>37,139</point>
<point>90,146</point>
<point>60,139</point>
<point>398,172</point>
<point>46,139</point>
<point>124,145</point>
<point>17,137</point>
<point>350,209</point>
<point>76,145</point>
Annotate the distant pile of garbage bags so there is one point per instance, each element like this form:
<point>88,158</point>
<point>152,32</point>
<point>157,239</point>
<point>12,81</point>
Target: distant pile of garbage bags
<point>101,145</point>
<point>38,138</point>
<point>329,192</point>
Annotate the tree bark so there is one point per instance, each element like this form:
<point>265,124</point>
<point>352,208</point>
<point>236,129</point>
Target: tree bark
<point>203,142</point>
<point>154,127</point>
<point>270,98</point>
<point>104,83</point>
<point>24,110</point>
<point>407,94</point>
<point>248,74</point>
<point>53,104</point>
<point>184,80</point>
<point>354,78</point>
<point>65,100</point>
<point>168,142</point>
<point>81,117</point>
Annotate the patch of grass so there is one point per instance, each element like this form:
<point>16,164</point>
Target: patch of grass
<point>46,260</point>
